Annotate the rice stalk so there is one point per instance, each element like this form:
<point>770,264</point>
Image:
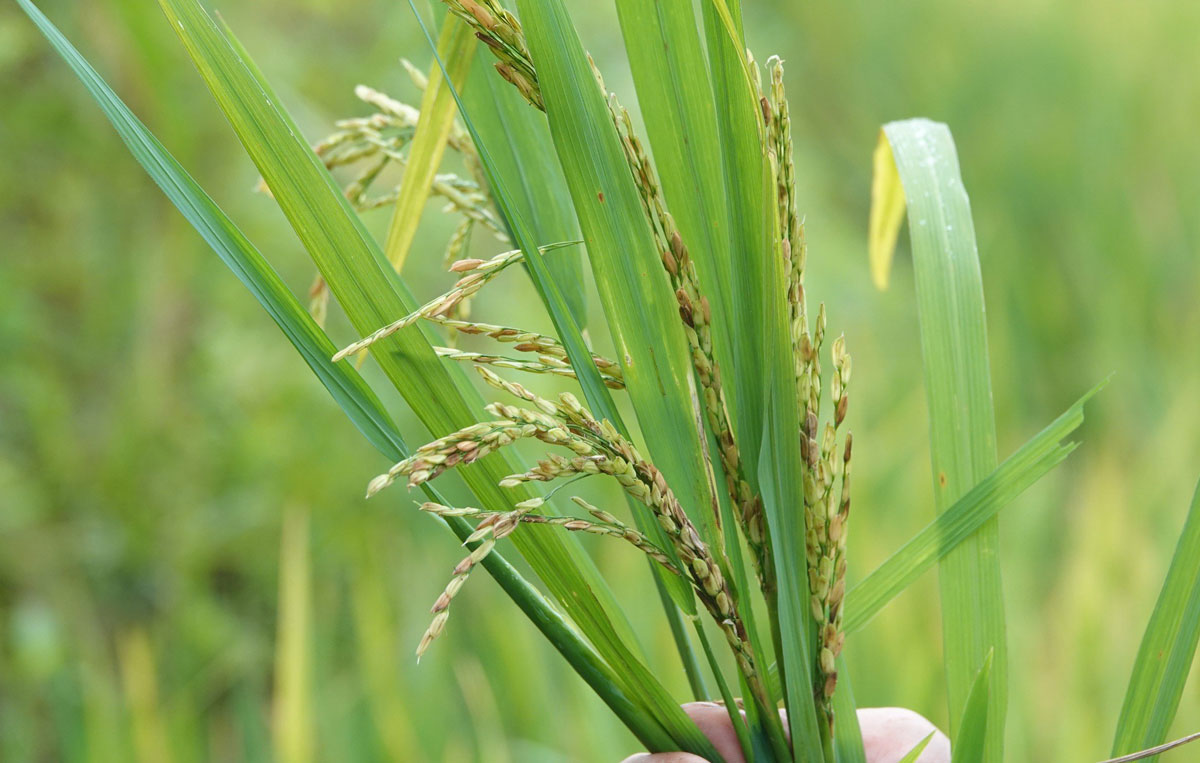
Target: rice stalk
<point>139,679</point>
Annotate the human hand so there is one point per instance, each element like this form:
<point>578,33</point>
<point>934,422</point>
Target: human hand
<point>888,734</point>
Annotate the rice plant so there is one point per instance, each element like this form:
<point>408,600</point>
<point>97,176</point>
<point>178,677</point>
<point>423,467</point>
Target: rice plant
<point>735,465</point>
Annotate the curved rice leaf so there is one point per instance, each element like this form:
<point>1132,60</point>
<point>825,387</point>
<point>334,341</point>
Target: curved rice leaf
<point>958,389</point>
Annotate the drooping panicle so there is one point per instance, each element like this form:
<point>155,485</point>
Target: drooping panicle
<point>597,448</point>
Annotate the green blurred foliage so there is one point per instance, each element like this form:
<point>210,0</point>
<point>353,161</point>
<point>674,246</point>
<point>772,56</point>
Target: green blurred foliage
<point>155,428</point>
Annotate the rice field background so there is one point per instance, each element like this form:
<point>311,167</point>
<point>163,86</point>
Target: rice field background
<point>188,570</point>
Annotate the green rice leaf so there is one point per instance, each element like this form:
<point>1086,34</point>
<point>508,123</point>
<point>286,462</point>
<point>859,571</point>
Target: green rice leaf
<point>781,480</point>
<point>342,381</point>
<point>1164,659</point>
<point>971,745</point>
<point>740,580</point>
<point>959,393</point>
<point>457,45</point>
<point>781,477</point>
<point>847,735</point>
<point>912,755</point>
<point>982,502</point>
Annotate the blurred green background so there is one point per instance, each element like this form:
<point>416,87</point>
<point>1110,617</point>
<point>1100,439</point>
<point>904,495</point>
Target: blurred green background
<point>160,441</point>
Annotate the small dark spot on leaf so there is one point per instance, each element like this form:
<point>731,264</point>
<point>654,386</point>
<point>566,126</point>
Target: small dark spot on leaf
<point>942,479</point>
<point>600,196</point>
